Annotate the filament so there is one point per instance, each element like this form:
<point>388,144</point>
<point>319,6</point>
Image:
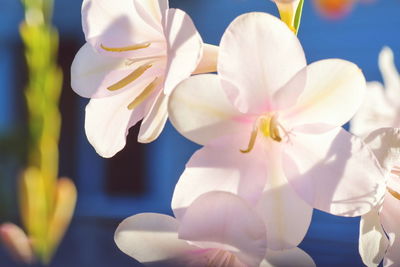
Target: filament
<point>251,142</point>
<point>130,78</point>
<point>146,92</point>
<point>125,48</point>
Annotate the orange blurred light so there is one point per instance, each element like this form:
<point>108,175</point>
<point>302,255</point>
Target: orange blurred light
<point>334,9</point>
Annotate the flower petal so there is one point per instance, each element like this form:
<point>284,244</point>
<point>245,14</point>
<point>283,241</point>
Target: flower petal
<point>225,221</point>
<point>333,93</point>
<point>152,11</point>
<point>208,62</point>
<point>185,47</point>
<point>286,215</point>
<point>150,238</point>
<point>92,73</point>
<point>254,66</point>
<point>385,143</point>
<point>290,257</point>
<point>390,75</point>
<point>334,172</point>
<point>221,167</point>
<point>108,120</point>
<point>390,215</point>
<point>200,111</point>
<point>374,113</point>
<point>111,25</point>
<point>373,242</point>
<point>155,118</point>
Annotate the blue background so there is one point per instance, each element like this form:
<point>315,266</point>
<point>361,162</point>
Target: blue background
<point>331,241</point>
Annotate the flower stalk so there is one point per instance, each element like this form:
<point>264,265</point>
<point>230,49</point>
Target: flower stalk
<point>46,202</point>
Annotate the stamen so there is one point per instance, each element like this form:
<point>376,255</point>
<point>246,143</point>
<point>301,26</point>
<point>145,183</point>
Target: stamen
<point>394,193</point>
<point>146,92</point>
<point>269,126</point>
<point>273,129</point>
<point>396,171</point>
<point>251,142</point>
<point>130,78</point>
<point>125,48</point>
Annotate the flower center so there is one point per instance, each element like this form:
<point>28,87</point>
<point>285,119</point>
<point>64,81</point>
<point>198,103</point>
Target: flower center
<point>269,127</point>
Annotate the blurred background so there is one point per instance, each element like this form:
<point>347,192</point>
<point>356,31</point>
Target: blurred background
<point>141,178</point>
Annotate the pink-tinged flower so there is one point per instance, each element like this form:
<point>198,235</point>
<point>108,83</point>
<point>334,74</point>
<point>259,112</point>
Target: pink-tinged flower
<point>17,243</point>
<point>137,51</point>
<point>270,126</point>
<point>380,228</point>
<point>381,107</point>
<point>218,229</point>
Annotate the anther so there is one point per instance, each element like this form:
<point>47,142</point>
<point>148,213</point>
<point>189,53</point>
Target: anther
<point>251,142</point>
<point>394,193</point>
<point>125,48</point>
<point>146,92</point>
<point>130,78</point>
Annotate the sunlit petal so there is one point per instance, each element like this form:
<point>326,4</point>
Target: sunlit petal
<point>200,111</point>
<point>333,92</point>
<point>150,238</point>
<point>334,172</point>
<point>225,221</point>
<point>290,257</point>
<point>286,215</point>
<point>185,47</point>
<point>254,66</point>
<point>373,242</point>
<point>221,167</point>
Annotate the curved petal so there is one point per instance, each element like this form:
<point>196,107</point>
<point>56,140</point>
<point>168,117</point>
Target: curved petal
<point>286,215</point>
<point>374,113</point>
<point>333,92</point>
<point>334,172</point>
<point>208,62</point>
<point>111,25</point>
<point>254,66</point>
<point>150,238</point>
<point>290,257</point>
<point>286,97</point>
<point>225,221</point>
<point>185,47</point>
<point>155,118</point>
<point>385,143</point>
<point>390,215</point>
<point>152,11</point>
<point>108,120</point>
<point>92,73</point>
<point>390,75</point>
<point>221,167</point>
<point>200,111</point>
<point>373,242</point>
